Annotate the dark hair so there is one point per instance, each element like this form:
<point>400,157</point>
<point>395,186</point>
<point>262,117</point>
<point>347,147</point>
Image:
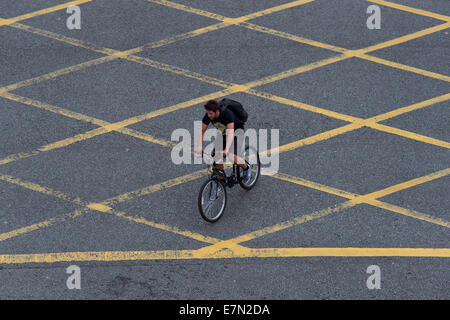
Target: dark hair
<point>212,105</point>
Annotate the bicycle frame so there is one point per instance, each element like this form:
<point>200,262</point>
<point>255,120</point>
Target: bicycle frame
<point>231,180</point>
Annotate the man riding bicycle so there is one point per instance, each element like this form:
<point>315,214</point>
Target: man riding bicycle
<point>226,121</point>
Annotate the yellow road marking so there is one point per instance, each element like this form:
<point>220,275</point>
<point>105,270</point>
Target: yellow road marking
<point>77,116</point>
<point>348,53</point>
<point>228,20</point>
<point>290,223</point>
<point>404,38</point>
<point>410,108</point>
<point>315,185</point>
<point>292,37</point>
<point>357,123</point>
<point>114,54</point>
<point>110,256</point>
<point>371,198</point>
<point>405,67</point>
<point>268,11</point>
<point>42,12</point>
<point>313,139</point>
<point>411,10</point>
<point>56,73</point>
<point>354,200</point>
<point>408,212</point>
<point>409,135</point>
<point>43,224</point>
<point>44,190</point>
<point>235,88</point>
<point>160,226</point>
<point>54,109</point>
<point>189,9</point>
<point>99,207</point>
<point>408,184</point>
<point>303,106</point>
<point>105,206</point>
<point>245,87</point>
<point>154,188</point>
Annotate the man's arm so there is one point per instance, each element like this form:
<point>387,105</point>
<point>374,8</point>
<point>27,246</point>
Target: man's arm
<point>200,140</point>
<point>230,137</point>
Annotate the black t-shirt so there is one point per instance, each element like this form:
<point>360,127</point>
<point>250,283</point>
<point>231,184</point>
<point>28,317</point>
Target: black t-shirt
<point>226,117</point>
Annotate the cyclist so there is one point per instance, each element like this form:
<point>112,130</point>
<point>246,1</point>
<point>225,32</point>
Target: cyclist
<point>226,122</point>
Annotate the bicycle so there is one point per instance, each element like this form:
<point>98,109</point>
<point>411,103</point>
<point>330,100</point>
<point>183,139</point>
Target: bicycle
<point>213,192</point>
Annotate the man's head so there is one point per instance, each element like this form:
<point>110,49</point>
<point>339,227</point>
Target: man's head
<point>212,108</point>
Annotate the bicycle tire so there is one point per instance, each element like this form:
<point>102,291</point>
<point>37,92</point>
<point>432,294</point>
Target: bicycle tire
<point>258,170</point>
<point>204,214</point>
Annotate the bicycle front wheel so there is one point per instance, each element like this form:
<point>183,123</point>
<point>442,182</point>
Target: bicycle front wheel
<point>212,200</point>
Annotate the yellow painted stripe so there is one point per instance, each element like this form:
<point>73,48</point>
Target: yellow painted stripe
<point>296,71</point>
<point>408,184</point>
<point>111,54</point>
<point>43,224</point>
<point>356,123</point>
<point>355,199</point>
<point>176,38</point>
<point>160,226</point>
<point>179,71</point>
<point>411,10</point>
<point>42,12</point>
<point>268,11</point>
<point>110,256</point>
<point>403,39</point>
<point>179,106</point>
<point>409,135</point>
<point>405,67</point>
<point>409,213</point>
<point>154,188</point>
<point>45,106</point>
<point>303,106</point>
<point>315,185</point>
<point>413,107</point>
<point>105,206</point>
<point>228,20</point>
<point>77,116</point>
<point>65,39</point>
<point>349,252</point>
<point>189,9</point>
<point>292,37</point>
<point>57,73</point>
<point>41,189</point>
<point>315,138</point>
<point>292,222</point>
<point>99,207</point>
<point>146,137</point>
<point>348,53</point>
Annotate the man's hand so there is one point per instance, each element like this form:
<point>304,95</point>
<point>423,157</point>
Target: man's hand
<point>224,153</point>
<point>199,150</point>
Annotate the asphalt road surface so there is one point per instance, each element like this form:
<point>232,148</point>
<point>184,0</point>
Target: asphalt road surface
<point>86,170</point>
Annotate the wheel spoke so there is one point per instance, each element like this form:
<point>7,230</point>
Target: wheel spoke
<point>212,206</point>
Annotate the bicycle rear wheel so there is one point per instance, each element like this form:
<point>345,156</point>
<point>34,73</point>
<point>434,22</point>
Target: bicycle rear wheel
<point>212,200</point>
<point>251,157</point>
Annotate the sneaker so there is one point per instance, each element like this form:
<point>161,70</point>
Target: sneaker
<point>247,173</point>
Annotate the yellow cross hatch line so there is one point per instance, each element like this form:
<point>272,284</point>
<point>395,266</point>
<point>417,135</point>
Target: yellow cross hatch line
<point>231,244</point>
<point>411,10</point>
<point>225,248</point>
<point>5,22</point>
<point>361,53</point>
<point>104,206</point>
<point>236,88</point>
<point>110,256</point>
